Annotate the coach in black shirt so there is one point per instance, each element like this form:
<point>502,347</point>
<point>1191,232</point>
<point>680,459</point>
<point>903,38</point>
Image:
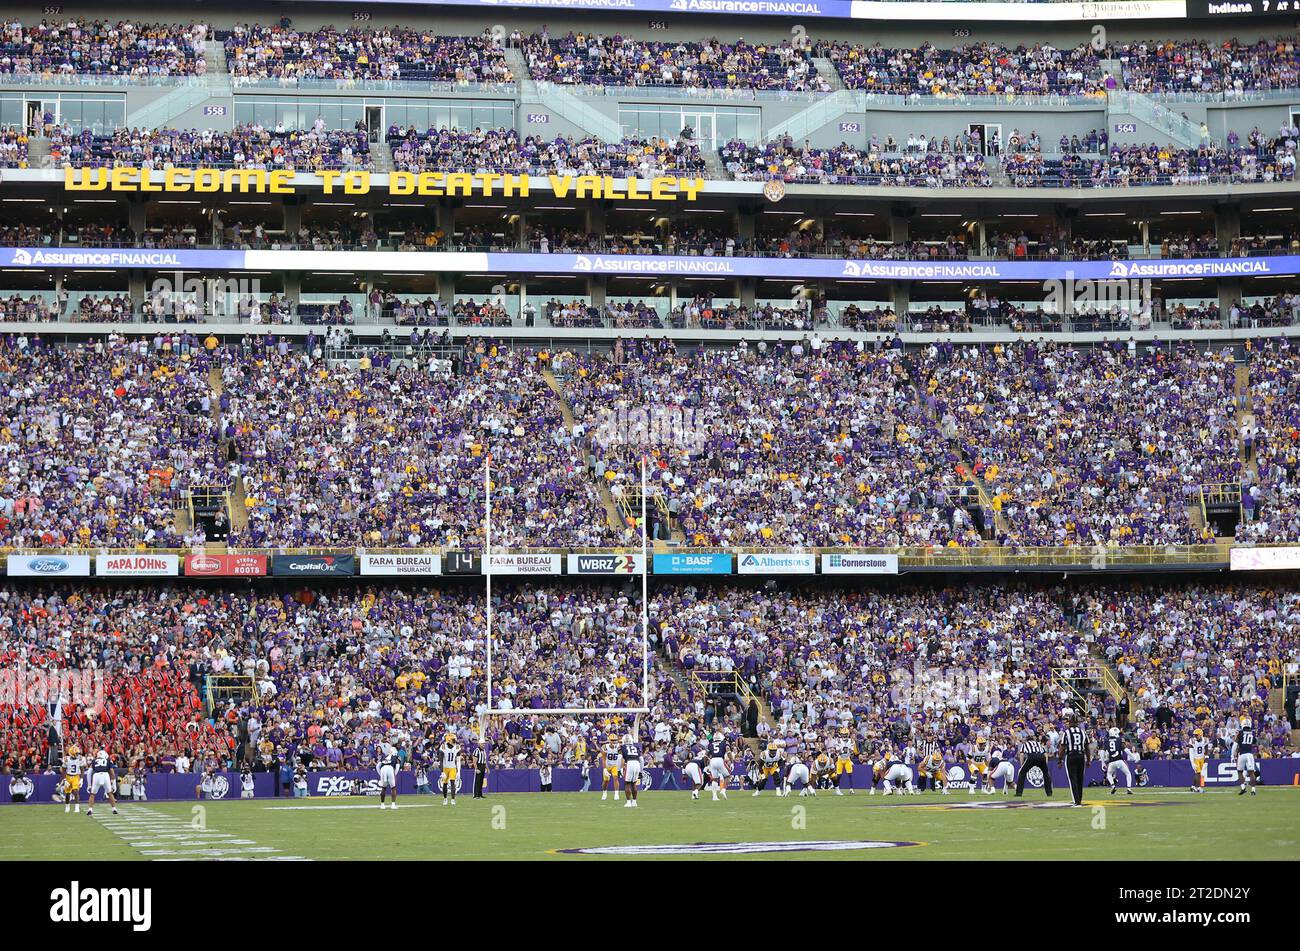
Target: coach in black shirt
<point>1033,754</point>
<point>1074,753</point>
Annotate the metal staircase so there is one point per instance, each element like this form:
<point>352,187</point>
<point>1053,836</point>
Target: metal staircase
<point>190,94</point>
<point>220,689</point>
<point>827,71</point>
<point>555,99</point>
<point>823,111</point>
<point>1180,130</point>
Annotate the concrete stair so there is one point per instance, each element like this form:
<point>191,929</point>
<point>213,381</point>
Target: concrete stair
<point>827,71</point>
<point>613,517</point>
<point>214,58</point>
<point>382,157</point>
<point>238,505</point>
<point>714,169</point>
<point>977,482</point>
<point>1245,412</point>
<point>38,152</point>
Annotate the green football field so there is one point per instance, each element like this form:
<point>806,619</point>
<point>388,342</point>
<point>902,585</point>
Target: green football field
<point>1152,824</point>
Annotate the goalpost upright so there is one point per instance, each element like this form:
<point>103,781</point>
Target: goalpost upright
<point>635,712</point>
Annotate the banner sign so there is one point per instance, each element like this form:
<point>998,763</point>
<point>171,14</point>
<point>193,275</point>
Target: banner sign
<point>312,566</point>
<point>826,269</point>
<point>859,564</point>
<point>462,563</point>
<point>1264,559</point>
<point>1241,9</point>
<point>260,181</point>
<point>606,564</point>
<point>1175,774</point>
<point>48,566</point>
<point>993,11</point>
<point>226,566</point>
<point>400,564</point>
<point>137,565</point>
<point>777,563</point>
<point>525,564</point>
<point>681,563</point>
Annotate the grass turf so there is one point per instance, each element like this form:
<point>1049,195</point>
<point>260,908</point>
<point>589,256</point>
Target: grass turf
<point>1152,824</point>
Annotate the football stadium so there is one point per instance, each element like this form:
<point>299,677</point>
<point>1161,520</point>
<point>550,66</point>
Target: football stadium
<point>600,430</point>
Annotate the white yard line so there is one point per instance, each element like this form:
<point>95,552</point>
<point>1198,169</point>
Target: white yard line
<point>414,805</point>
<point>157,835</point>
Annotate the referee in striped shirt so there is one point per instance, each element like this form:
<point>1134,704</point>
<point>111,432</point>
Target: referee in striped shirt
<point>1075,750</point>
<point>1032,754</point>
<point>481,769</point>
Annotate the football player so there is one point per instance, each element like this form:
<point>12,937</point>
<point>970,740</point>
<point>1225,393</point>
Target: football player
<point>694,771</point>
<point>845,750</point>
<point>769,766</point>
<point>449,754</point>
<point>631,768</point>
<point>1000,767</point>
<point>609,756</point>
<point>719,764</point>
<point>890,772</point>
<point>73,766</point>
<point>1243,751</point>
<point>1197,750</point>
<point>979,765</point>
<point>797,772</point>
<point>932,767</point>
<point>823,770</point>
<point>102,774</point>
<point>386,764</point>
<point>1115,764</point>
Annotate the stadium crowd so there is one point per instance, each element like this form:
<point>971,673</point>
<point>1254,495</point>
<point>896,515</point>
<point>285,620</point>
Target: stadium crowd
<point>101,47</point>
<point>247,146</point>
<point>330,672</point>
<point>260,52</point>
<point>593,60</point>
<point>503,151</point>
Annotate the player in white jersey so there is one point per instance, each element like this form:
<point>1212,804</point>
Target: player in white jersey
<point>631,769</point>
<point>1001,767</point>
<point>1115,764</point>
<point>694,771</point>
<point>246,784</point>
<point>1198,754</point>
<point>449,756</point>
<point>101,778</point>
<point>387,766</point>
<point>611,754</point>
<point>719,764</point>
<point>74,765</point>
<point>797,772</point>
<point>1243,751</point>
<point>979,765</point>
<point>892,772</point>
